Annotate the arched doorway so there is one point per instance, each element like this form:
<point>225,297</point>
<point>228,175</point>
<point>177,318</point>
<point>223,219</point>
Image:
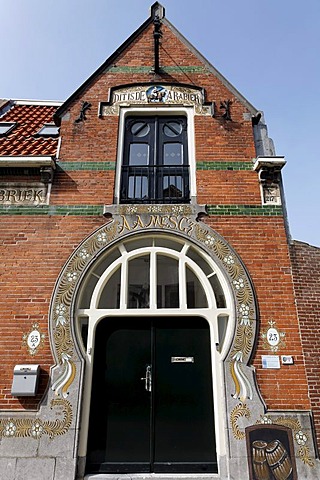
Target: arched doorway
<point>156,316</point>
<point>151,404</point>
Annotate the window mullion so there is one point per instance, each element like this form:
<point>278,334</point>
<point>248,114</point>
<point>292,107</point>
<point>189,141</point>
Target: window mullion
<point>182,283</point>
<point>155,181</point>
<point>153,280</point>
<point>124,285</point>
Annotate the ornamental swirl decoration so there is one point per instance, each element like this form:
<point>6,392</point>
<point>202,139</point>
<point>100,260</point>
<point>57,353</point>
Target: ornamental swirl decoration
<point>239,411</point>
<point>156,209</point>
<point>63,341</point>
<point>304,454</point>
<point>243,340</point>
<point>165,217</point>
<point>244,335</point>
<point>36,428</point>
<point>62,314</point>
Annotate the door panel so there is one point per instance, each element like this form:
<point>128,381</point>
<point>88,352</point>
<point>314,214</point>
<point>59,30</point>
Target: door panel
<point>183,412</point>
<point>166,425</point>
<point>119,433</point>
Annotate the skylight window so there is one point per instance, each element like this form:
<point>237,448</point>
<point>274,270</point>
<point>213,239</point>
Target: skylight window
<point>49,130</point>
<point>6,127</point>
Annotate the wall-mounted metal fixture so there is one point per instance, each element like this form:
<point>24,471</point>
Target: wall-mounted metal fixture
<point>212,107</point>
<point>25,380</point>
<point>157,14</point>
<point>225,105</point>
<point>256,118</point>
<point>82,115</point>
<point>157,34</point>
<point>287,360</point>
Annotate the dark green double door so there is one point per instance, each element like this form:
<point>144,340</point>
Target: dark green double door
<point>151,404</point>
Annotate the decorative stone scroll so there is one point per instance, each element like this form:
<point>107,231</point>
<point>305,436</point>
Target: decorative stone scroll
<point>156,95</point>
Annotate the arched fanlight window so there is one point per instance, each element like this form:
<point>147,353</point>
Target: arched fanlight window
<point>153,274</point>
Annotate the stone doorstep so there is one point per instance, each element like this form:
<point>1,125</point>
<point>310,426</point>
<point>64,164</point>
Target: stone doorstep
<point>151,476</point>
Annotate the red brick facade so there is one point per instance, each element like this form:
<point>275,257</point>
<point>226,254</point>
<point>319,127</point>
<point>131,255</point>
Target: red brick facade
<point>306,274</point>
<point>37,241</point>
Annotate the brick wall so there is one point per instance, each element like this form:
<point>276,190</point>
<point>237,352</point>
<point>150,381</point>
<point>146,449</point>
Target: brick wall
<point>36,246</point>
<point>261,243</point>
<point>306,275</point>
<point>35,249</point>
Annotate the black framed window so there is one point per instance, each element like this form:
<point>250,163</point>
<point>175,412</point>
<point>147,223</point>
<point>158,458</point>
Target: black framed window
<point>155,166</point>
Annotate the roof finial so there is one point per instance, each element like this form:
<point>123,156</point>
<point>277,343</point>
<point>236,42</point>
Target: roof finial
<point>156,35</point>
<point>157,11</point>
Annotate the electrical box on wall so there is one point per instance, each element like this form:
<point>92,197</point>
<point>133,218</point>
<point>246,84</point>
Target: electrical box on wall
<point>25,380</point>
<point>287,359</point>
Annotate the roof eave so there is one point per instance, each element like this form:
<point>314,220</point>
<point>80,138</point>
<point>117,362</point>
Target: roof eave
<point>31,161</point>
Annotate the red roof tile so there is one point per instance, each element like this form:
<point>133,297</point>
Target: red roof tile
<point>22,140</point>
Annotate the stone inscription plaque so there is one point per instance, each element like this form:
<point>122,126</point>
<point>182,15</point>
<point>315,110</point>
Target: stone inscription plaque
<point>156,95</point>
<point>23,194</point>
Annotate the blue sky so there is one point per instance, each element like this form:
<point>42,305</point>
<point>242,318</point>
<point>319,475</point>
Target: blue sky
<point>268,50</point>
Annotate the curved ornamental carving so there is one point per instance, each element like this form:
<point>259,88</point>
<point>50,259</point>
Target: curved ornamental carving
<point>170,219</point>
<point>246,312</point>
<point>35,427</point>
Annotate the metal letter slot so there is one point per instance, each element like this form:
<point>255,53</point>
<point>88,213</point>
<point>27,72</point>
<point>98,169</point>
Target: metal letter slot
<point>182,359</point>
<point>148,379</point>
<point>25,380</point>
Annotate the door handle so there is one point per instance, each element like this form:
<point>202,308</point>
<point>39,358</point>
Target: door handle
<point>148,379</point>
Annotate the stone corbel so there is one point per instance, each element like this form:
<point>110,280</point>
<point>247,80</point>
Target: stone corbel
<point>269,173</point>
<point>46,174</point>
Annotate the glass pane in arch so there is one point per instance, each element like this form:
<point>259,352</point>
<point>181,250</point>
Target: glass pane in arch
<point>139,282</point>
<point>136,243</point>
<point>87,290</point>
<point>168,243</point>
<point>167,282</point>
<point>110,296</point>
<point>107,260</point>
<point>218,292</point>
<point>200,261</point>
<point>222,329</point>
<point>196,297</point>
<point>83,323</point>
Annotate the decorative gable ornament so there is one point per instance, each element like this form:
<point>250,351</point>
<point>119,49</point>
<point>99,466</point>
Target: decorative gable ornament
<point>156,94</point>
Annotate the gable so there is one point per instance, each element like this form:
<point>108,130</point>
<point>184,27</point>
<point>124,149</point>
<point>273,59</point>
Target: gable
<point>179,62</point>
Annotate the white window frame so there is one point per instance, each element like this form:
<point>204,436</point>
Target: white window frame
<point>188,112</point>
<point>7,128</point>
<point>48,130</point>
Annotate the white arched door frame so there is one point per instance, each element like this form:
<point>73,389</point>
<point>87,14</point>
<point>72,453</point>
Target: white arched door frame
<point>210,313</point>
